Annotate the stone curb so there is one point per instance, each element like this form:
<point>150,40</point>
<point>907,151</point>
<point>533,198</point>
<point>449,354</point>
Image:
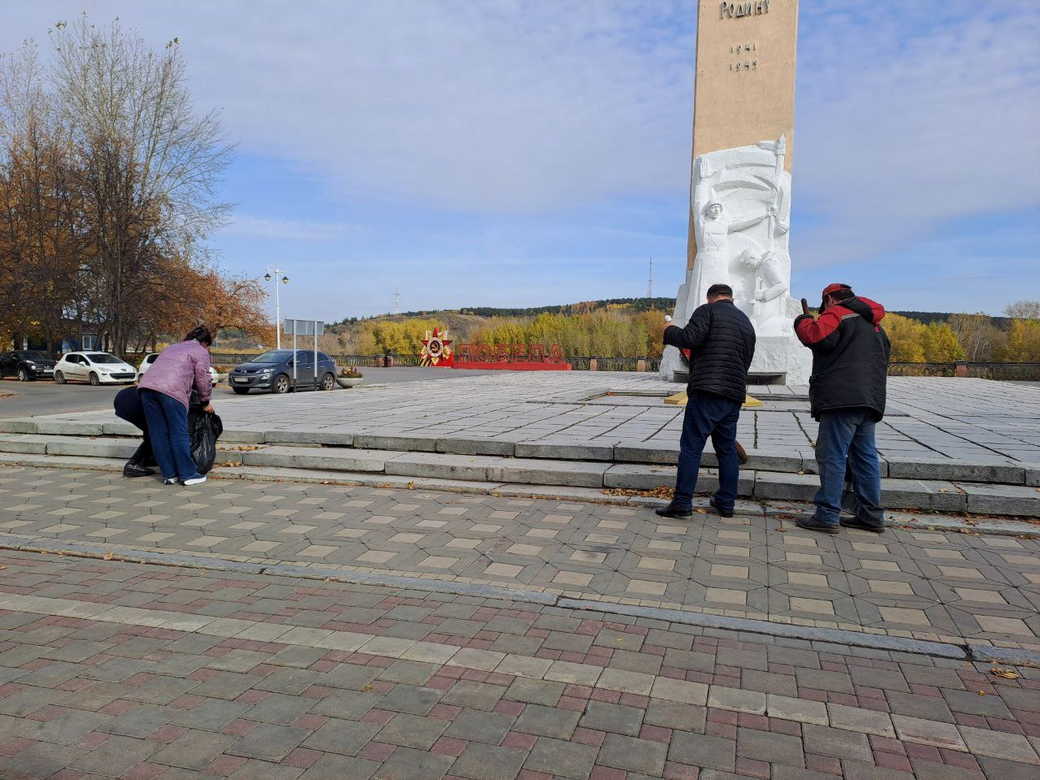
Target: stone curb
<point>995,471</point>
<point>411,583</point>
<point>918,494</point>
<point>832,635</point>
<point>1013,656</point>
<point>339,574</point>
<point>970,651</point>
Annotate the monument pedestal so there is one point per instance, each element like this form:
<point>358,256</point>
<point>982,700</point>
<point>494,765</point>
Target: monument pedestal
<point>780,360</point>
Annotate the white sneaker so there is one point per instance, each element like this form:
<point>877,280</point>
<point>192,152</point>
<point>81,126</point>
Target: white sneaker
<point>170,481</point>
<point>194,481</point>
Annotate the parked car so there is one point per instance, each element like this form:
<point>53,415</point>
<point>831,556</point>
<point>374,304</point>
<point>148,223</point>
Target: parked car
<point>98,368</point>
<point>26,364</point>
<point>274,371</point>
<point>150,358</point>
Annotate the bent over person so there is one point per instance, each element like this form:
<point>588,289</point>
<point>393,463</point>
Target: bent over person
<point>847,397</point>
<point>721,340</point>
<point>165,391</point>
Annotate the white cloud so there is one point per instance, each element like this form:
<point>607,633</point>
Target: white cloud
<point>911,115</point>
<point>912,120</point>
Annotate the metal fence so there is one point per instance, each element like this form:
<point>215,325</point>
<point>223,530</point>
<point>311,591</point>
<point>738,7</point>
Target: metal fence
<point>580,363</point>
<point>922,369</point>
<point>1008,372</point>
<point>999,371</point>
<point>234,358</point>
<point>585,363</point>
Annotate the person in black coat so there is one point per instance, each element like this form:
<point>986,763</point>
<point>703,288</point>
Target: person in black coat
<point>722,342</point>
<point>847,395</point>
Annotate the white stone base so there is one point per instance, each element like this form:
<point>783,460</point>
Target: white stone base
<point>775,354</point>
<point>782,355</point>
<point>671,363</point>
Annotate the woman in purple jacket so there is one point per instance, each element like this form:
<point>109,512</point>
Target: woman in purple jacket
<point>165,391</point>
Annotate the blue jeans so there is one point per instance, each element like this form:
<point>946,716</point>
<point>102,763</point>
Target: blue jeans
<point>845,445</point>
<point>715,416</point>
<point>168,427</point>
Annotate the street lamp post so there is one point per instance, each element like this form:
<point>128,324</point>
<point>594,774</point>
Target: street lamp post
<point>272,273</point>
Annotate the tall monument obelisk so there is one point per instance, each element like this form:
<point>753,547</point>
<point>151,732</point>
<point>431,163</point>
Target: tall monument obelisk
<point>740,193</point>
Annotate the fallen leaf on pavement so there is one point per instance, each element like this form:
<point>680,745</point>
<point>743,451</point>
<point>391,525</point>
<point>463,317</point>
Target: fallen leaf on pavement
<point>1007,674</point>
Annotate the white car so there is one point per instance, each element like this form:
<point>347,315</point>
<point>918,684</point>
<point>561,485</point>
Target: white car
<point>98,368</point>
<point>150,358</point>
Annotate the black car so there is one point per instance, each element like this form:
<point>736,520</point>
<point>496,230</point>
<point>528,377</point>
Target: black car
<point>26,364</point>
<point>278,372</point>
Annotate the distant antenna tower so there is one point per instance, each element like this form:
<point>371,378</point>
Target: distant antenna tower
<point>650,281</point>
<point>397,301</point>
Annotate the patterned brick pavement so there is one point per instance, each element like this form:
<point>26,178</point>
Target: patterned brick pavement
<point>110,669</point>
<point>907,582</point>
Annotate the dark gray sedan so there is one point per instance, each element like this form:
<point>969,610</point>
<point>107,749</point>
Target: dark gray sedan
<point>278,371</point>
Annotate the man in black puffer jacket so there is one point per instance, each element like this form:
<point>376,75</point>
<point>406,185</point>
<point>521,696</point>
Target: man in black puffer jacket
<point>847,396</point>
<point>722,342</point>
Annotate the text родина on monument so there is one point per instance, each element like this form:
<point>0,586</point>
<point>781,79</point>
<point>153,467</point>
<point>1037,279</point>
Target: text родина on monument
<point>738,10</point>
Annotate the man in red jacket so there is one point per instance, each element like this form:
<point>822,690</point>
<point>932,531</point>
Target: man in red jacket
<point>847,397</point>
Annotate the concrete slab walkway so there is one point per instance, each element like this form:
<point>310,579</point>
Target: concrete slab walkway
<point>963,419</point>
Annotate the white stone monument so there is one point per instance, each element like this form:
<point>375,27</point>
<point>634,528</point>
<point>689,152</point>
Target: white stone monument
<point>741,211</point>
<point>740,207</point>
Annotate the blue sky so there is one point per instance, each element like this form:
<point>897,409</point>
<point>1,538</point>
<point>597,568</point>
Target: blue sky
<point>507,153</point>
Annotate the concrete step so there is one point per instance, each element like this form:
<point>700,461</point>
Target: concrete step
<point>400,468</point>
<point>801,461</point>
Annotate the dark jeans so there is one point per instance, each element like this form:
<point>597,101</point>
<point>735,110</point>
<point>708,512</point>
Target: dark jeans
<point>168,425</point>
<point>715,416</point>
<point>846,443</point>
<point>128,407</point>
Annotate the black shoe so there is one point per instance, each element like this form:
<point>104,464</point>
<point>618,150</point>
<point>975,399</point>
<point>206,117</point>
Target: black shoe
<point>812,524</point>
<point>132,469</point>
<point>855,522</point>
<point>677,513</point>
<point>719,509</point>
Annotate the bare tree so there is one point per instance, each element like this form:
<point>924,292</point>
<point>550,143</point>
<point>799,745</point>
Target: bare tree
<point>42,232</point>
<point>979,337</point>
<point>148,164</point>
<point>1025,310</point>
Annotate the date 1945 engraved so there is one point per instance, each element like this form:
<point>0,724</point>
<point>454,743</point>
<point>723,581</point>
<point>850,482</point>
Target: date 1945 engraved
<point>740,49</point>
<point>746,8</point>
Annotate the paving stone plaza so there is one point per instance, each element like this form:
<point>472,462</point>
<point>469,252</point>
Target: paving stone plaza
<point>965,419</point>
<point>287,623</point>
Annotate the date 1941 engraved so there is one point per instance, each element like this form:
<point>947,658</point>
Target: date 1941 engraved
<point>738,10</point>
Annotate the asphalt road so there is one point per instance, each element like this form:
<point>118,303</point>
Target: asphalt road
<point>31,399</point>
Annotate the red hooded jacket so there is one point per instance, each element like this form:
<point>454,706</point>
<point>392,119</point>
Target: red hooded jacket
<point>850,357</point>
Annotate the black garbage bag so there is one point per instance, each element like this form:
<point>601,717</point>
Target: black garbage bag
<point>204,428</point>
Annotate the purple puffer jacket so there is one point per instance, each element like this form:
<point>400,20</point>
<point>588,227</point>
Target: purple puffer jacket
<point>177,369</point>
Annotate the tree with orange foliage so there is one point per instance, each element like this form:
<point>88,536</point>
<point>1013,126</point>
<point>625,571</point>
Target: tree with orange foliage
<point>42,236</point>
